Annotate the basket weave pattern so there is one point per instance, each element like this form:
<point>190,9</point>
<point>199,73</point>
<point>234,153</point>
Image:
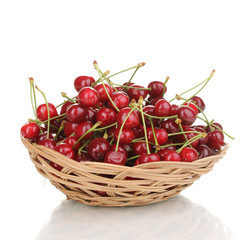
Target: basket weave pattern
<point>124,186</point>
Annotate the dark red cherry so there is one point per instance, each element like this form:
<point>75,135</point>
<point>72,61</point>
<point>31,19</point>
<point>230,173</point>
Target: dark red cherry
<point>102,93</point>
<point>91,114</point>
<point>163,108</point>
<point>204,151</point>
<point>65,149</point>
<point>98,148</point>
<point>187,115</point>
<point>153,101</point>
<point>172,156</point>
<point>42,137</point>
<point>88,96</point>
<point>191,105</point>
<point>76,113</point>
<point>202,140</point>
<point>82,128</point>
<point>156,89</point>
<point>140,148</point>
<point>215,139</point>
<point>126,136</point>
<point>30,130</point>
<point>134,93</point>
<point>147,158</point>
<point>188,154</point>
<point>69,128</point>
<point>162,153</point>
<point>83,158</point>
<point>170,125</point>
<point>161,135</point>
<point>199,102</point>
<point>50,143</point>
<point>42,112</point>
<point>190,135</point>
<point>65,107</point>
<point>107,116</point>
<point>120,149</point>
<point>172,147</point>
<point>114,157</point>
<point>132,120</point>
<point>83,81</point>
<point>174,109</point>
<point>56,166</point>
<point>71,140</point>
<point>120,99</point>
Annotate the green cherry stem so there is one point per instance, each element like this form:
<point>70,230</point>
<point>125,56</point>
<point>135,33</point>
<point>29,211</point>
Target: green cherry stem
<point>60,129</point>
<point>182,131</point>
<point>83,146</point>
<point>65,96</point>
<point>125,86</point>
<point>99,129</point>
<point>133,157</point>
<point>32,92</point>
<point>188,142</point>
<point>97,81</point>
<point>222,131</point>
<point>155,138</point>
<point>166,80</point>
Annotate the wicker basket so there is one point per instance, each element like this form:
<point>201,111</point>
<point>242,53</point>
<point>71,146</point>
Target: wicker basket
<point>124,186</point>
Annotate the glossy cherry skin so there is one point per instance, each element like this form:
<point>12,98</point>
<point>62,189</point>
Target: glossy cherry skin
<point>147,158</point>
<point>215,139</point>
<point>83,158</point>
<point>42,112</point>
<point>30,130</point>
<point>56,166</point>
<point>98,148</point>
<point>153,101</point>
<point>76,113</point>
<point>174,109</point>
<point>114,157</point>
<point>120,149</point>
<point>202,140</point>
<point>170,125</point>
<point>120,99</point>
<point>140,147</point>
<point>82,128</point>
<point>208,129</point>
<point>163,108</point>
<point>134,93</point>
<point>88,96</point>
<point>107,116</point>
<point>126,136</point>
<point>91,114</point>
<point>172,156</point>
<point>65,149</point>
<point>132,120</point>
<point>69,128</point>
<point>189,136</point>
<point>162,153</point>
<point>204,151</point>
<point>193,106</point>
<point>188,154</point>
<point>156,89</point>
<point>199,102</point>
<point>102,93</point>
<point>50,143</point>
<point>65,106</point>
<point>161,135</point>
<point>83,81</point>
<point>42,137</point>
<point>71,140</point>
<point>187,115</point>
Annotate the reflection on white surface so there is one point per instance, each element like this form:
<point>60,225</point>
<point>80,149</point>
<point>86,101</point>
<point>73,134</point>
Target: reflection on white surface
<point>176,218</point>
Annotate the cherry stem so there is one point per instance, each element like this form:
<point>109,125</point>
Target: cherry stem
<point>60,129</point>
<point>133,157</point>
<point>119,135</point>
<point>65,96</point>
<point>137,140</point>
<point>105,136</point>
<point>155,138</point>
<point>40,122</point>
<point>172,134</point>
<point>59,105</point>
<point>83,146</point>
<point>188,142</point>
<point>97,81</point>
<point>125,86</point>
<point>32,93</point>
<point>99,129</point>
<point>90,130</point>
<point>166,80</point>
<point>48,112</point>
<point>138,66</point>
<point>182,131</point>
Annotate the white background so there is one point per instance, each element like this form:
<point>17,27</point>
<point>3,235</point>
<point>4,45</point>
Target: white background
<point>56,41</point>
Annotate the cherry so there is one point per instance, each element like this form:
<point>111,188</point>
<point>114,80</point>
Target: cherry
<point>174,109</point>
<point>30,130</point>
<point>42,112</point>
<point>120,99</point>
<point>50,143</point>
<point>202,140</point>
<point>83,158</point>
<point>187,115</point>
<point>65,106</point>
<point>214,128</point>
<point>172,156</point>
<point>156,89</point>
<point>65,149</point>
<point>90,114</point>
<point>147,158</point>
<point>98,148</point>
<point>69,128</point>
<point>107,116</point>
<point>42,137</point>
<point>189,136</point>
<point>120,149</point>
<point>170,125</point>
<point>215,139</point>
<point>102,93</point>
<point>171,147</point>
<point>76,113</point>
<point>161,135</point>
<point>82,128</point>
<point>134,93</point>
<point>88,96</point>
<point>204,151</point>
<point>162,153</point>
<point>140,148</point>
<point>71,140</point>
<point>199,102</point>
<point>56,166</point>
<point>153,101</point>
<point>83,81</point>
<point>115,157</point>
<point>132,120</point>
<point>163,108</point>
<point>191,105</point>
<point>126,135</point>
<point>188,154</point>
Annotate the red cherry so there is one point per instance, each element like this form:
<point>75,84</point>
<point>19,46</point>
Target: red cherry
<point>170,126</point>
<point>65,107</point>
<point>71,140</point>
<point>91,114</point>
<point>146,158</point>
<point>126,135</point>
<point>174,110</point>
<point>83,158</point>
<point>88,96</point>
<point>214,128</point>
<point>172,156</point>
<point>204,151</point>
<point>114,157</point>
<point>65,149</point>
<point>187,115</point>
<point>189,136</point>
<point>199,102</point>
<point>215,139</point>
<point>134,93</point>
<point>50,143</point>
<point>107,116</point>
<point>120,149</point>
<point>98,148</point>
<point>30,130</point>
<point>120,99</point>
<point>69,128</point>
<point>83,81</point>
<point>191,105</point>
<point>188,154</point>
<point>132,120</point>
<point>102,93</point>
<point>163,108</point>
<point>42,112</point>
<point>162,153</point>
<point>76,113</point>
<point>153,101</point>
<point>42,137</point>
<point>156,89</point>
<point>82,128</point>
<point>201,140</point>
<point>140,147</point>
<point>56,166</point>
<point>161,135</point>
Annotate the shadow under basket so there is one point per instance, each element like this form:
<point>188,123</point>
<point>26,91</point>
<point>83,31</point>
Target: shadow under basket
<point>102,184</point>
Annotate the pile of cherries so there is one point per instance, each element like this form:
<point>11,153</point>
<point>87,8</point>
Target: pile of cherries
<point>124,124</point>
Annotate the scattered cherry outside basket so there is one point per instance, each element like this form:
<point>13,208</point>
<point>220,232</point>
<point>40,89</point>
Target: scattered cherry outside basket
<point>122,144</point>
